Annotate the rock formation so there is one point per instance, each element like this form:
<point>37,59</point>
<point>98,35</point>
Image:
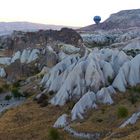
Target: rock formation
<point>19,40</point>
<point>122,20</point>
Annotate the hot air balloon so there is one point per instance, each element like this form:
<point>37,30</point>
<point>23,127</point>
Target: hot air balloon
<point>97,19</point>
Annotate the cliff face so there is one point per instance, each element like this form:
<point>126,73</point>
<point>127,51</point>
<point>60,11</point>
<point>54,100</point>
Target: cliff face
<point>122,20</point>
<point>20,40</point>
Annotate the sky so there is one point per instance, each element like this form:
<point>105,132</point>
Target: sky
<point>62,12</point>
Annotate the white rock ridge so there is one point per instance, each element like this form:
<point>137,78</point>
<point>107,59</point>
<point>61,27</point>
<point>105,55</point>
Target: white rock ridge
<point>82,135</point>
<point>33,55</point>
<point>5,60</point>
<point>90,100</point>
<point>88,79</point>
<point>2,72</point>
<point>104,95</point>
<point>61,121</point>
<point>56,77</point>
<point>69,49</point>
<point>133,45</point>
<point>131,120</point>
<point>73,78</point>
<point>129,74</point>
<point>86,102</point>
<point>16,56</point>
<point>26,56</point>
<point>100,38</point>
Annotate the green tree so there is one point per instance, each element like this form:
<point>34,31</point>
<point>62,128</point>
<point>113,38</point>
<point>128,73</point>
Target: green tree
<point>16,93</point>
<point>8,97</point>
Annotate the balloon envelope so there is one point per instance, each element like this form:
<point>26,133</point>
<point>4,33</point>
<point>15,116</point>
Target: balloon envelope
<point>97,19</point>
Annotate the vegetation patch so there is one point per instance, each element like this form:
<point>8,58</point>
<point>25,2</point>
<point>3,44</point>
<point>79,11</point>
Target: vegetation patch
<point>122,112</point>
<point>54,134</point>
<point>110,80</point>
<point>134,94</point>
<point>16,84</point>
<point>8,97</point>
<point>51,92</point>
<point>15,93</point>
<point>1,90</point>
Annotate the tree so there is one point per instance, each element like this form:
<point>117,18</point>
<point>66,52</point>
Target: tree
<point>16,93</point>
<point>8,97</point>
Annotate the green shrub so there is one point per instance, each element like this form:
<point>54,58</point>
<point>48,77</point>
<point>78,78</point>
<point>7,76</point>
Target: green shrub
<point>41,88</point>
<point>54,134</point>
<point>41,76</point>
<point>122,112</point>
<point>134,94</point>
<point>70,104</point>
<point>133,97</point>
<point>44,103</point>
<point>42,98</point>
<point>99,120</point>
<point>1,89</point>
<point>15,93</point>
<point>135,89</point>
<point>8,97</point>
<point>110,80</point>
<point>27,94</point>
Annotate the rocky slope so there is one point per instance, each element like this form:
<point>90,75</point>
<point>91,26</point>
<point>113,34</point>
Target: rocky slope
<point>122,20</point>
<point>89,82</point>
<point>127,40</point>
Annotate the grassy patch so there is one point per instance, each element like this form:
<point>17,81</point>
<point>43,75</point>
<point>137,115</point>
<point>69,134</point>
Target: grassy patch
<point>54,134</point>
<point>30,122</point>
<point>122,112</point>
<point>134,94</point>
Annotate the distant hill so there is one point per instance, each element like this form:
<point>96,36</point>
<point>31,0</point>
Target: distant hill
<point>122,20</point>
<point>8,27</point>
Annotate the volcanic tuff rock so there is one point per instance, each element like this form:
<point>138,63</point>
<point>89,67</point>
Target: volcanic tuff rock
<point>61,121</point>
<point>82,105</point>
<point>17,70</point>
<point>128,39</point>
<point>20,40</point>
<point>34,50</point>
<point>74,76</point>
<point>129,74</point>
<point>2,72</point>
<point>132,120</point>
<point>87,78</point>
